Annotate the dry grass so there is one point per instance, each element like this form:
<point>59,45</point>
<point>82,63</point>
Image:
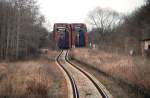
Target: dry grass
<point>38,78</point>
<point>135,70</point>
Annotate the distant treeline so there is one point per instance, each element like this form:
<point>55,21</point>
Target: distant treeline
<point>21,29</point>
<point>114,31</point>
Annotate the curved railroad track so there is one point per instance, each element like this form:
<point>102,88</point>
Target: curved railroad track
<point>73,84</point>
<point>83,84</point>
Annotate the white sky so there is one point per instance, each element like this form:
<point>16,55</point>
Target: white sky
<point>77,10</point>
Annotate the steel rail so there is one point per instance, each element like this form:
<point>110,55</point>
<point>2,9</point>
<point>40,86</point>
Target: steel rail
<point>73,84</point>
<point>90,77</point>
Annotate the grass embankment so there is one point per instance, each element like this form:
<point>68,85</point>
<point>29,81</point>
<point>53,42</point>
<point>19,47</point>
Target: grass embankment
<point>128,69</point>
<point>38,78</point>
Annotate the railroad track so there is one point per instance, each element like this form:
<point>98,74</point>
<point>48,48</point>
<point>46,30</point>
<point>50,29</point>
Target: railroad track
<point>73,84</point>
<point>83,84</point>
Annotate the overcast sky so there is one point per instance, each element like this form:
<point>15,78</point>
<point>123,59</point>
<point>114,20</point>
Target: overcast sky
<point>77,10</point>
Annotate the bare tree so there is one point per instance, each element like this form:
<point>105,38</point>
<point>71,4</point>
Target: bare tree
<point>21,27</point>
<point>104,21</point>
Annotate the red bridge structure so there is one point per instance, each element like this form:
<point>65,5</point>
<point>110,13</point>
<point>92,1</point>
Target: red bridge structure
<point>67,35</point>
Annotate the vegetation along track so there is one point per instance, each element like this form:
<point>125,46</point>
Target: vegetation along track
<point>83,84</point>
